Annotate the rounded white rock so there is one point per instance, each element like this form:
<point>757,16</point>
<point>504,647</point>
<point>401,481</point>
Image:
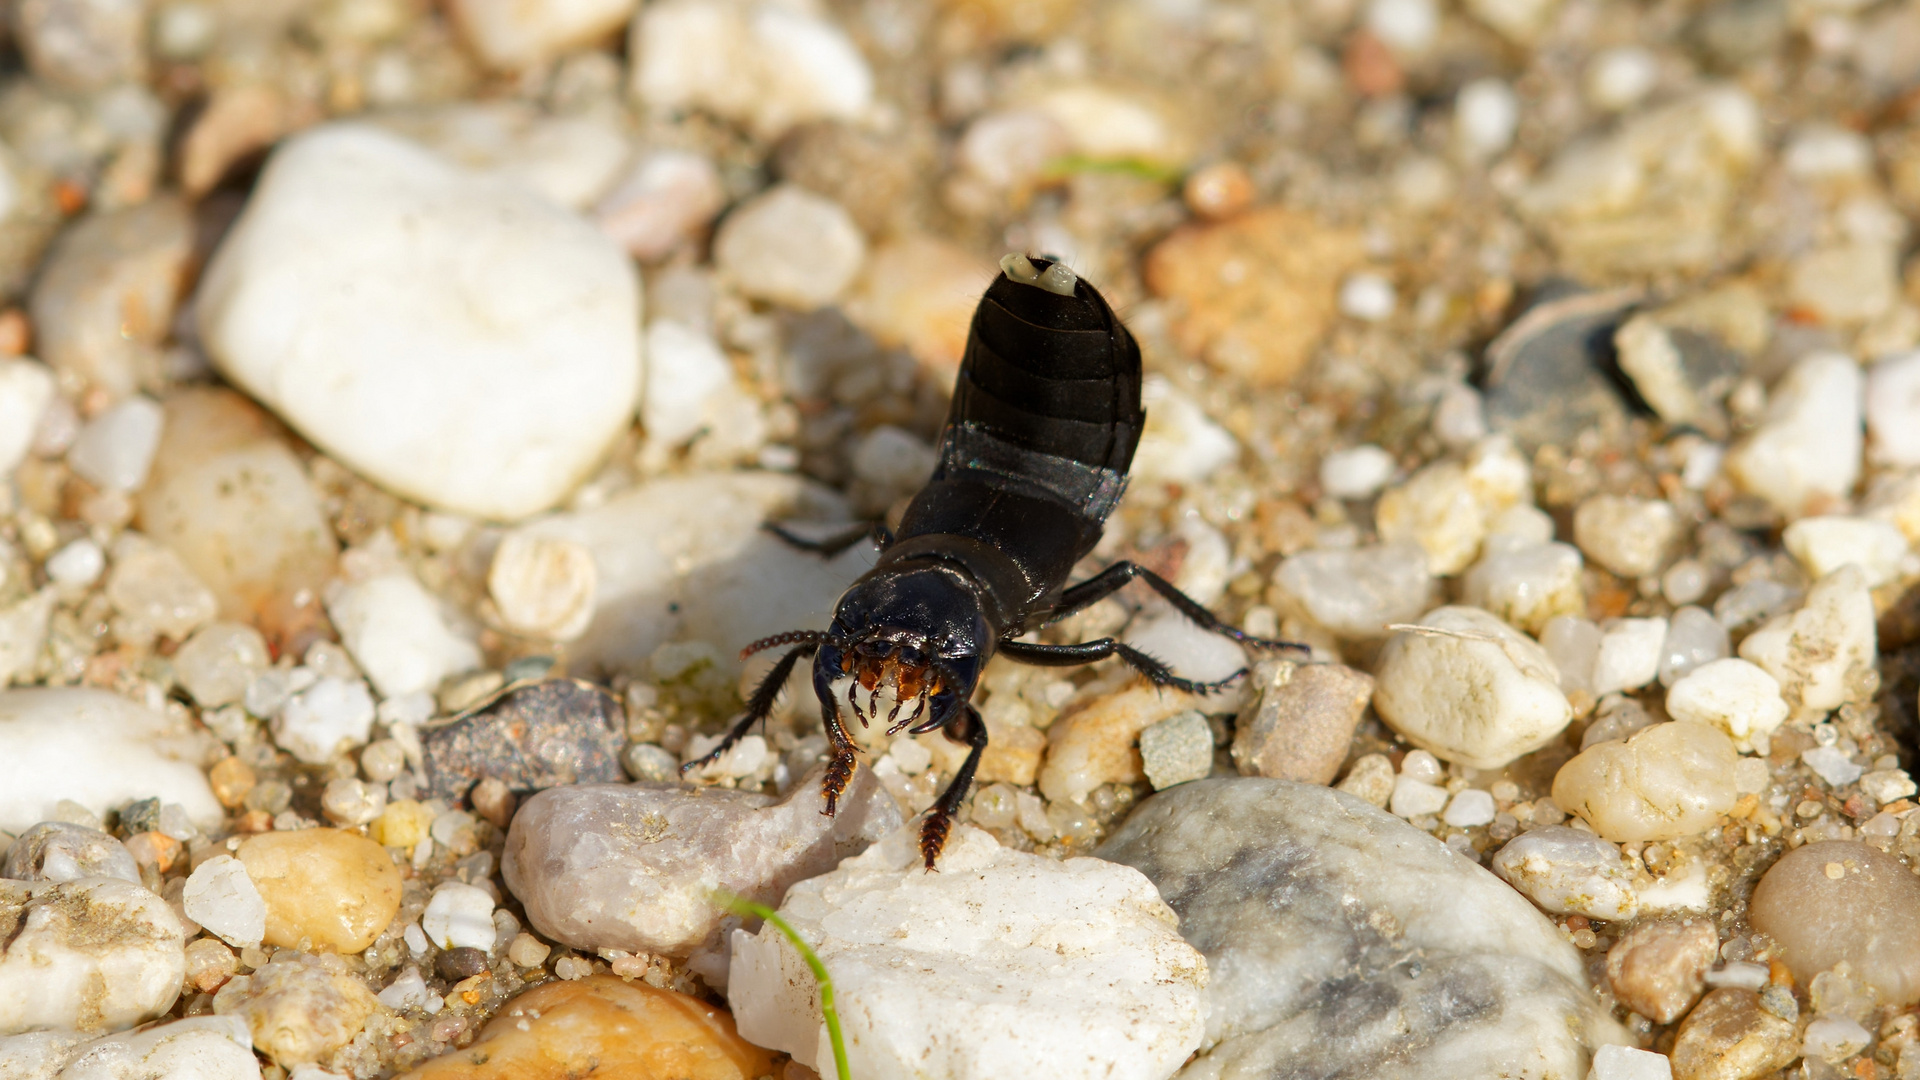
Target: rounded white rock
<point>92,954</point>
<point>332,715</point>
<point>1470,688</point>
<point>1628,536</point>
<point>398,634</point>
<point>1825,544</point>
<point>26,389</point>
<point>1629,656</point>
<point>115,449</point>
<point>1357,592</point>
<point>1823,654</point>
<point>459,916</point>
<point>1807,448</point>
<point>791,247</point>
<point>220,896</point>
<point>1004,964</point>
<point>1664,782</point>
<point>543,586</point>
<point>1356,472</point>
<point>97,749</point>
<point>454,337</point>
<point>1736,696</point>
<point>1569,872</point>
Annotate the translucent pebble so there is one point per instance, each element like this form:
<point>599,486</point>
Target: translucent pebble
<point>1665,782</point>
<point>1567,871</point>
<point>116,448</point>
<point>1357,593</point>
<point>1469,808</point>
<point>1628,536</point>
<point>995,807</point>
<point>382,760</point>
<point>1357,472</point>
<point>1744,605</point>
<point>78,564</point>
<point>1526,584</point>
<point>219,660</point>
<point>407,990</point>
<point>1832,764</point>
<point>1422,766</point>
<point>1572,643</point>
<point>1629,655</point>
<point>1693,638</point>
<point>1684,582</point>
<point>1627,1063</point>
<point>221,897</point>
<point>1414,798</point>
<point>1736,696</point>
<point>1368,297</point>
<point>459,916</point>
<point>351,802</point>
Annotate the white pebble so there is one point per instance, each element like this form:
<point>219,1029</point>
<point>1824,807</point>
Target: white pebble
<point>1569,872</point>
<point>1572,643</point>
<point>1485,115</point>
<point>1736,696</point>
<point>1826,152</point>
<point>1807,447</point>
<point>1886,785</point>
<point>115,449</point>
<point>791,247</point>
<point>1407,26</point>
<point>1469,808</point>
<point>1356,473</point>
<point>1893,410</point>
<point>1359,592</point>
<point>892,458</point>
<point>1825,544</point>
<point>1629,655</point>
<point>1618,78</point>
<point>398,633</point>
<point>1684,582</point>
<point>685,371</point>
<point>78,564</point>
<point>459,916</point>
<point>415,938</point>
<point>1526,584</point>
<point>1832,764</point>
<point>1459,417</point>
<point>1823,654</point>
<point>334,715</point>
<point>1834,1039</point>
<point>1368,297</point>
<point>1414,798</point>
<point>1422,766</point>
<point>1627,535</point>
<point>510,35</point>
<point>408,990</point>
<point>350,802</point>
<point>1627,1063</point>
<point>26,388</point>
<point>1470,688</point>
<point>1661,783</point>
<point>1180,444</point>
<point>221,897</point>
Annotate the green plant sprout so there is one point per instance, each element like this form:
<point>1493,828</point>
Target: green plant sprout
<point>1062,167</point>
<point>743,907</point>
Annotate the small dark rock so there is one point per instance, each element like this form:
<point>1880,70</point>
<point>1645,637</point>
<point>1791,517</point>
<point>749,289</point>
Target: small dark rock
<point>141,816</point>
<point>557,732</point>
<point>462,963</point>
<point>1553,372</point>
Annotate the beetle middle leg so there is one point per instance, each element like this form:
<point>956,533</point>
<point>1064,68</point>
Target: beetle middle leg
<point>1086,652</point>
<point>965,727</point>
<point>834,543</point>
<point>1115,577</point>
<point>759,705</point>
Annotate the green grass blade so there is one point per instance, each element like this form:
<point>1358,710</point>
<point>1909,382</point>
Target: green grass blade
<point>742,906</point>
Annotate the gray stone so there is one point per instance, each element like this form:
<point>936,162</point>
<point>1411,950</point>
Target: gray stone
<point>1177,749</point>
<point>1343,942</point>
<point>1302,724</point>
<point>557,732</point>
<point>634,866</point>
<point>57,851</point>
<point>1547,373</point>
<point>105,298</point>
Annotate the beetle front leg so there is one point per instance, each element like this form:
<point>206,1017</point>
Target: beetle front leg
<point>844,758</point>
<point>966,727</point>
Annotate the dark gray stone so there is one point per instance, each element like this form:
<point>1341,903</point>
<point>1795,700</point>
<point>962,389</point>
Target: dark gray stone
<point>562,731</point>
<point>1552,373</point>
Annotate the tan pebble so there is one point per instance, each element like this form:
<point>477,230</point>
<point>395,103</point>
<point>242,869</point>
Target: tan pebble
<point>607,1027</point>
<point>1371,778</point>
<point>404,823</point>
<point>210,964</point>
<point>1867,914</point>
<point>300,1008</point>
<point>336,890</point>
<point>1219,190</point>
<point>1258,290</point>
<point>231,779</point>
<point>493,801</point>
<point>16,334</point>
<point>154,849</point>
<point>1659,968</point>
<point>1665,782</point>
<point>1729,1037</point>
<point>1099,743</point>
<point>528,951</point>
<point>1303,722</point>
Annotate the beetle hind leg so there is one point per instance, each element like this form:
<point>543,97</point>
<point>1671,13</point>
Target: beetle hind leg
<point>759,705</point>
<point>968,728</point>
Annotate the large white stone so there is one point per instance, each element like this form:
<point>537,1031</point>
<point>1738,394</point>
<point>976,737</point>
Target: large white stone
<point>1893,409</point>
<point>397,633</point>
<point>1823,654</point>
<point>1470,688</point>
<point>26,387</point>
<point>1344,942</point>
<point>89,955</point>
<point>1003,964</point>
<point>765,65</point>
<point>97,749</point>
<point>454,337</point>
<point>685,557</point>
<point>1806,452</point>
<point>196,1048</point>
<point>514,34</point>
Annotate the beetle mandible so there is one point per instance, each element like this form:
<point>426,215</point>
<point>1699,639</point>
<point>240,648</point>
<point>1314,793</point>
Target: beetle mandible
<point>1045,418</point>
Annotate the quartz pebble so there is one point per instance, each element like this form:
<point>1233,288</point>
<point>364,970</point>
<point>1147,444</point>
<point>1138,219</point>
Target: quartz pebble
<point>1822,655</point>
<point>96,749</point>
<point>217,662</point>
<point>631,867</point>
<point>1358,592</point>
<point>26,389</point>
<point>58,851</point>
<point>665,198</point>
<point>221,896</point>
<point>300,1008</point>
<point>1416,798</point>
<point>1525,584</point>
<point>1729,1036</point>
<point>1806,451</point>
<point>962,973</point>
<point>1841,900</point>
<point>1470,689</point>
<point>504,414</point>
<point>1099,742</point>
<point>604,1024</point>
<point>78,564</point>
<point>459,917</point>
<point>1834,1039</point>
<point>88,955</point>
<point>1629,654</point>
<point>1448,507</point>
<point>332,716</point>
<point>154,592</point>
<point>1628,536</point>
<point>1569,872</point>
<point>1694,638</point>
<point>512,36</point>
<point>1627,1063</point>
<point>397,633</point>
<point>1180,443</point>
<point>194,1048</point>
<point>790,247</point>
<point>115,449</point>
<point>1290,952</point>
<point>1658,969</point>
<point>1664,782</point>
<point>1892,409</point>
<point>1176,750</point>
<point>1356,473</point>
<point>1370,779</point>
<point>1300,726</point>
<point>322,888</point>
<point>768,66</point>
<point>104,300</point>
<point>1736,696</point>
<point>1825,544</point>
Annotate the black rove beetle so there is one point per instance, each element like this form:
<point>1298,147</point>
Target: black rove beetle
<point>1045,418</point>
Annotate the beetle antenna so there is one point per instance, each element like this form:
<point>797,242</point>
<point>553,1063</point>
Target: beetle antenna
<point>791,637</point>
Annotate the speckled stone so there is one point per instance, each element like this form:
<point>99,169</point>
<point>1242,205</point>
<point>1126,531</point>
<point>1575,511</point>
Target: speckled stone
<point>1728,1036</point>
<point>90,955</point>
<point>561,731</point>
<point>1302,724</point>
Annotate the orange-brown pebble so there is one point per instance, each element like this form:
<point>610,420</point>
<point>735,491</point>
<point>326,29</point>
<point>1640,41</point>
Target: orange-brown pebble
<point>231,779</point>
<point>1371,67</point>
<point>603,1026</point>
<point>16,334</point>
<point>155,849</point>
<point>1219,190</point>
<point>210,964</point>
<point>334,890</point>
<point>253,821</point>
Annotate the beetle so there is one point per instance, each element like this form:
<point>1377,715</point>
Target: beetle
<point>1045,419</point>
